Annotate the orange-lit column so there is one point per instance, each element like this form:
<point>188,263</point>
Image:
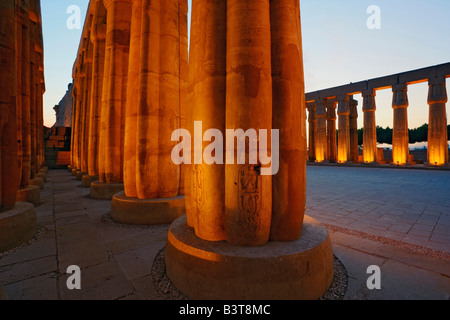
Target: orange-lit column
<point>8,126</point>
<point>249,105</point>
<point>354,148</point>
<point>370,127</point>
<point>343,129</point>
<point>98,37</point>
<point>321,132</point>
<point>117,44</point>
<point>400,137</point>
<point>312,130</point>
<point>331,131</point>
<point>131,111</point>
<point>289,116</point>
<point>437,123</point>
<point>206,210</point>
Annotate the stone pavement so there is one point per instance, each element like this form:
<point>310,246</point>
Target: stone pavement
<point>396,219</point>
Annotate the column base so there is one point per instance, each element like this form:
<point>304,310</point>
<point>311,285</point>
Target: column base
<point>79,175</point>
<point>42,175</point>
<point>38,182</point>
<point>135,211</point>
<point>296,270</point>
<point>69,168</point>
<point>29,194</point>
<point>86,180</point>
<point>17,226</point>
<point>105,191</point>
<point>74,171</point>
<point>44,169</point>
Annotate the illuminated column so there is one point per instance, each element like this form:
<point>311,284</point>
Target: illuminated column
<point>151,178</point>
<point>370,127</point>
<point>437,123</point>
<point>354,147</point>
<point>8,112</point>
<point>249,106</point>
<point>208,47</point>
<point>343,129</point>
<point>289,117</point>
<point>321,132</point>
<point>98,37</point>
<point>312,130</point>
<point>331,131</point>
<point>87,90</point>
<point>18,221</point>
<point>113,100</point>
<point>400,137</point>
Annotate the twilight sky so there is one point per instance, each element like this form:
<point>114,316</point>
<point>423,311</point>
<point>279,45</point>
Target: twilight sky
<point>338,47</point>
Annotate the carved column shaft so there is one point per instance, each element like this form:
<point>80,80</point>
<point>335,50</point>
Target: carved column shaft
<point>370,129</point>
<point>98,36</point>
<point>437,123</point>
<point>331,132</point>
<point>400,135</point>
<point>312,131</point>
<point>8,126</point>
<point>354,147</point>
<point>207,96</point>
<point>344,129</point>
<point>321,132</point>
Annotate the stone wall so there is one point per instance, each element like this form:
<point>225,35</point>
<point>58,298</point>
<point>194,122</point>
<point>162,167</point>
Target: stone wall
<point>64,109</point>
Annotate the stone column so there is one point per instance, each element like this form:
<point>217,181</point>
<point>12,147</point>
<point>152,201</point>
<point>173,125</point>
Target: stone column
<point>321,132</point>
<point>312,130</point>
<point>249,106</point>
<point>8,124</point>
<point>289,182</point>
<point>331,131</point>
<point>206,210</point>
<point>87,65</point>
<point>400,137</point>
<point>370,127</point>
<point>151,178</point>
<point>18,220</point>
<point>437,123</point>
<point>114,99</point>
<point>343,129</point>
<point>354,147</point>
<point>98,37</point>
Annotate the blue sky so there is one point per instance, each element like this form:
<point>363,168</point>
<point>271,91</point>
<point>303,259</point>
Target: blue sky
<point>338,47</point>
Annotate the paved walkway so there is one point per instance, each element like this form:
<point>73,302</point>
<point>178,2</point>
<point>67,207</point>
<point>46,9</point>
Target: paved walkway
<point>389,218</point>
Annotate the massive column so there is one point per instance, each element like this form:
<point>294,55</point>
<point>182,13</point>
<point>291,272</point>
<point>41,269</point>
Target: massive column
<point>370,127</point>
<point>18,220</point>
<point>354,147</point>
<point>207,96</point>
<point>246,78</point>
<point>98,37</point>
<point>343,129</point>
<point>331,131</point>
<point>400,137</point>
<point>113,99</point>
<point>321,132</point>
<point>312,131</point>
<point>437,123</point>
<point>151,178</point>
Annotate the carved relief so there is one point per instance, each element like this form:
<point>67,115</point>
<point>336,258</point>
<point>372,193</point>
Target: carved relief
<point>198,186</point>
<point>249,191</point>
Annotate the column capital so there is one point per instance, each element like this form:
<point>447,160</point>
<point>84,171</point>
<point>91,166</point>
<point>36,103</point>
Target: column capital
<point>369,93</point>
<point>369,100</point>
<point>311,106</point>
<point>400,96</point>
<point>437,91</point>
<point>343,104</point>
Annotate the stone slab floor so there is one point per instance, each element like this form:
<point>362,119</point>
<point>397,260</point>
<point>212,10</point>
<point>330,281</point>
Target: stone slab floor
<point>398,220</point>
